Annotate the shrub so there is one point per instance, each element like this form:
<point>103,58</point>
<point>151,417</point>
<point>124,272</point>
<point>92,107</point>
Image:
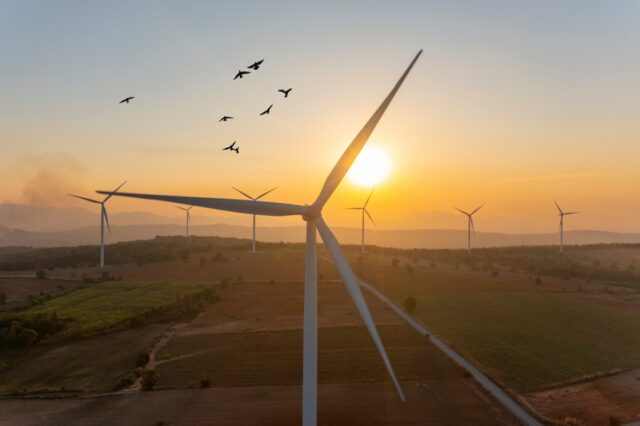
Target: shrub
<point>41,274</point>
<point>395,262</point>
<point>3,297</point>
<point>410,304</point>
<point>149,379</point>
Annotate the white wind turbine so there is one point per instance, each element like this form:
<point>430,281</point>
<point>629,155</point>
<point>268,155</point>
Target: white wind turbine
<point>103,217</point>
<point>253,246</point>
<point>562,215</point>
<point>188,220</point>
<point>470,226</point>
<point>364,211</point>
<point>312,214</point>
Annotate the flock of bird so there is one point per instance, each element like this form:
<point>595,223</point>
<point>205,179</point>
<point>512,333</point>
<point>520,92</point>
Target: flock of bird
<point>240,75</point>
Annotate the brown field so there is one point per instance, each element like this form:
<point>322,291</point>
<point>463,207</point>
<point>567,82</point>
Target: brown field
<point>93,364</point>
<point>19,289</point>
<point>597,400</point>
<point>250,345</point>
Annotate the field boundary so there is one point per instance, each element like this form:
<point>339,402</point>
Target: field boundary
<point>503,398</point>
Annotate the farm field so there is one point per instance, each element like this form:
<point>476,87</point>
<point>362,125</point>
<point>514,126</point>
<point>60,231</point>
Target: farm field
<point>101,306</point>
<point>93,364</point>
<point>19,289</point>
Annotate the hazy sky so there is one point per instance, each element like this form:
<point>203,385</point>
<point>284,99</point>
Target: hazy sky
<point>512,103</point>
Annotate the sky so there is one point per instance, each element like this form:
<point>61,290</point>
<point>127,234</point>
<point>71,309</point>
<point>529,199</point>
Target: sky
<point>512,103</point>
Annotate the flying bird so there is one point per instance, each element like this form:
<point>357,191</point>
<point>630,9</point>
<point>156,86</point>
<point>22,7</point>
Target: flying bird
<point>225,118</point>
<point>231,148</point>
<point>267,111</point>
<point>286,92</point>
<point>126,100</point>
<point>241,74</point>
<point>256,65</point>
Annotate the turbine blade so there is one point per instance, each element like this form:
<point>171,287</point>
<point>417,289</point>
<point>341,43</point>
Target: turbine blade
<point>114,191</point>
<point>268,192</point>
<point>473,228</point>
<point>370,218</point>
<point>188,216</point>
<point>570,213</point>
<point>462,211</point>
<point>243,193</point>
<point>368,198</point>
<point>179,207</point>
<point>91,200</point>
<point>353,208</point>
<point>226,204</point>
<point>353,287</point>
<point>559,209</point>
<point>351,153</point>
<point>477,208</point>
<point>106,218</point>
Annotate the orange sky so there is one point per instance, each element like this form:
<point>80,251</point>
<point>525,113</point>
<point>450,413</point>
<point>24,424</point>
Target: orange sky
<point>512,105</point>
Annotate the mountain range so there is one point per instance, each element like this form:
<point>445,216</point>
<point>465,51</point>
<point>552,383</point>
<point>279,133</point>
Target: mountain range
<point>23,225</point>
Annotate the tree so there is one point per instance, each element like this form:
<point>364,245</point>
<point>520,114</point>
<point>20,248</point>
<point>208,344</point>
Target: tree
<point>395,262</point>
<point>203,262</point>
<point>41,274</point>
<point>410,304</point>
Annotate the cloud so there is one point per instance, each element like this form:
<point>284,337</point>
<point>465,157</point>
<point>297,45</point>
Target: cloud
<point>49,177</point>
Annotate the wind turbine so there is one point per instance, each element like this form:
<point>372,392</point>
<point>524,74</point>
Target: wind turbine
<point>253,246</point>
<point>364,211</point>
<point>103,217</point>
<point>186,209</point>
<point>312,214</point>
<point>562,215</point>
<point>470,226</point>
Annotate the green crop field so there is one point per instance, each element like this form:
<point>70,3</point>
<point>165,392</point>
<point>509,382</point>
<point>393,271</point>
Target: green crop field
<point>105,305</point>
<point>528,340</point>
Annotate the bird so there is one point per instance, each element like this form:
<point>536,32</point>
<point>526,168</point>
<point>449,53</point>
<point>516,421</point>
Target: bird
<point>225,118</point>
<point>126,100</point>
<point>256,65</point>
<point>241,74</point>
<point>231,148</point>
<point>267,111</point>
<point>286,92</point>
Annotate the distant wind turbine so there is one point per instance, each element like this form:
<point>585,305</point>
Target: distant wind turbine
<point>470,226</point>
<point>103,217</point>
<point>186,209</point>
<point>364,211</point>
<point>253,246</point>
<point>562,215</point>
<point>312,215</point>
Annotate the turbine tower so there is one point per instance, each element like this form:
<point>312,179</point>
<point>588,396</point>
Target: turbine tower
<point>364,211</point>
<point>562,215</point>
<point>312,214</point>
<point>103,217</point>
<point>188,220</point>
<point>470,226</point>
<point>253,245</point>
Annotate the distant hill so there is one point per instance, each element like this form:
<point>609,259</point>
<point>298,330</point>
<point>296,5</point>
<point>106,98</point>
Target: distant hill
<point>420,238</point>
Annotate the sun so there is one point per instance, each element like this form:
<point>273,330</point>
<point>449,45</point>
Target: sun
<point>371,167</point>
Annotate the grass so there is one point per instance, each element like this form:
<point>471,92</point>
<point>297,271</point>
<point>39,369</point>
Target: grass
<point>528,340</point>
<point>103,306</point>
